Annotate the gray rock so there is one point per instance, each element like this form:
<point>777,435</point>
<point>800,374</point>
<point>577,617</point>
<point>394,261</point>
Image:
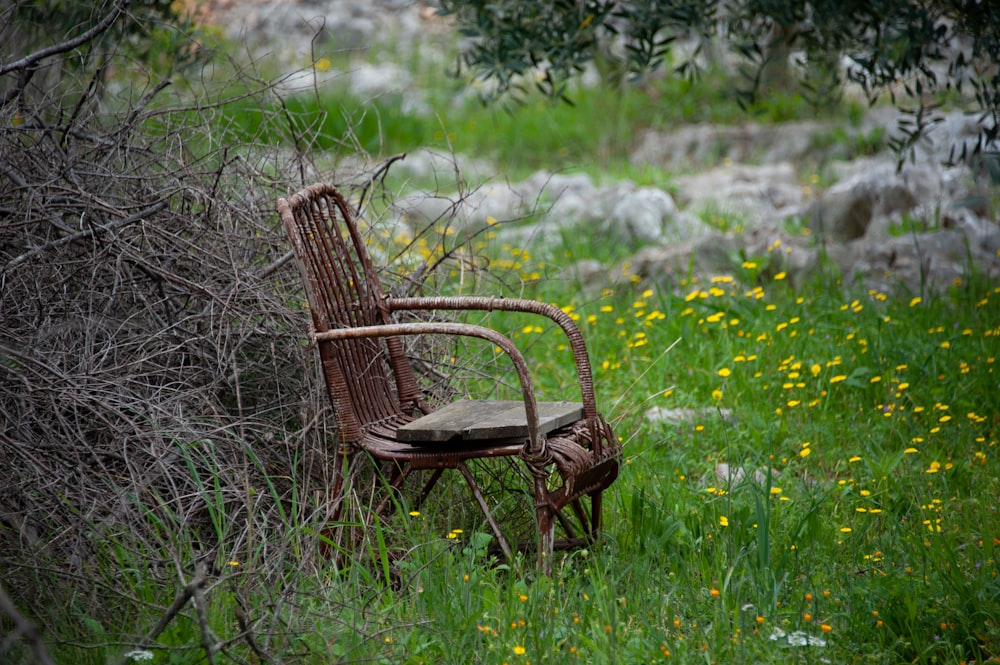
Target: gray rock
<point>754,193</point>
<point>841,215</point>
<point>704,145</point>
<point>704,257</point>
<point>423,209</point>
<point>983,235</point>
<point>348,33</point>
<point>659,414</point>
<point>590,274</point>
<point>555,185</point>
<point>296,32</point>
<point>566,198</point>
<point>496,201</point>
<point>916,263</point>
<point>485,205</point>
<point>794,255</point>
<point>645,215</point>
<point>444,169</point>
<point>734,475</point>
<point>846,210</point>
<point>369,80</point>
<point>575,208</point>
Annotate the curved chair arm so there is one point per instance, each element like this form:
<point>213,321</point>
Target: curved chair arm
<point>488,304</point>
<point>536,443</point>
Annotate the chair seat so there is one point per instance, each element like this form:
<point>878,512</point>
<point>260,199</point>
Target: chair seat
<point>479,420</point>
<point>437,455</point>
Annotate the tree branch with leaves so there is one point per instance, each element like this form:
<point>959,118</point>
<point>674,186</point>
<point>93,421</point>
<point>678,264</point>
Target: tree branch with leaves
<point>910,50</point>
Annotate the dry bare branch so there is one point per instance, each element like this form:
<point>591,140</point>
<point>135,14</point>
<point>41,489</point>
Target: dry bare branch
<point>22,628</point>
<point>98,28</point>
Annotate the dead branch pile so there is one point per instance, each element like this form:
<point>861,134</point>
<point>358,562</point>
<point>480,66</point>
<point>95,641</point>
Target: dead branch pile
<point>150,342</point>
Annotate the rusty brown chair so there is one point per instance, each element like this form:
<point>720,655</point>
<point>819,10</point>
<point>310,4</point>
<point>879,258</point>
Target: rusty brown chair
<point>569,449</point>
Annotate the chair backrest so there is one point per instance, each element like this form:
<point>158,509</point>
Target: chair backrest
<point>370,380</point>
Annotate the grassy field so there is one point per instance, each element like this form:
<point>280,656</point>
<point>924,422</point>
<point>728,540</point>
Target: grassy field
<point>857,521</point>
<point>831,498</point>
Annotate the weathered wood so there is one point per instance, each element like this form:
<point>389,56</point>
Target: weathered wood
<point>478,420</point>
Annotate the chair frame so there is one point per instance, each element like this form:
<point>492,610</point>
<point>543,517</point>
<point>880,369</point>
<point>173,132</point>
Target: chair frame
<point>374,390</point>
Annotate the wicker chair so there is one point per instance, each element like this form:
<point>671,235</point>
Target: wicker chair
<point>375,393</point>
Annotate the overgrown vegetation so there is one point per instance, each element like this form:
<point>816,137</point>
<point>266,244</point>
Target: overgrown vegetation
<point>826,491</point>
<point>160,421</point>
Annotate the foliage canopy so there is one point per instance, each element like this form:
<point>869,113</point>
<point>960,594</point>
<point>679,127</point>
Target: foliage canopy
<point>911,50</point>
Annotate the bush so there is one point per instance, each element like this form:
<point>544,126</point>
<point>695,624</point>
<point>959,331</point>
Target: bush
<point>160,410</point>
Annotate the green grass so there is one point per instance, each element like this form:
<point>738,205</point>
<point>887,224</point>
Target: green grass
<point>873,423</point>
<point>874,529</point>
<point>872,533</point>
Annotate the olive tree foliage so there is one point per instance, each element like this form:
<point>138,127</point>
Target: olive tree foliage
<point>907,49</point>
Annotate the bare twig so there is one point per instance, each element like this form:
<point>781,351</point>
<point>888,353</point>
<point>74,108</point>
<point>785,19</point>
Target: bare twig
<point>22,627</point>
<point>185,595</point>
<point>32,59</point>
<point>208,640</point>
<point>13,175</point>
<point>137,110</point>
<point>379,175</point>
<point>155,398</point>
<point>243,619</point>
<point>86,233</point>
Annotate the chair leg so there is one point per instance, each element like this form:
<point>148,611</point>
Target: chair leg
<point>399,474</point>
<point>567,525</point>
<point>595,515</point>
<point>501,539</point>
<point>336,512</point>
<point>425,492</point>
<point>585,522</point>
<point>546,527</point>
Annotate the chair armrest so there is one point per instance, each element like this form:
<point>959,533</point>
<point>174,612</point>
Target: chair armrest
<point>536,443</point>
<point>488,304</point>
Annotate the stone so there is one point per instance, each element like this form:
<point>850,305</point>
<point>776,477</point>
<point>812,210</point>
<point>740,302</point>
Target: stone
<point>659,414</point>
<point>846,210</point>
<point>728,475</point>
<point>704,145</point>
<point>755,193</point>
<point>703,257</point>
<point>444,169</point>
<point>916,263</point>
<point>568,198</point>
<point>841,215</point>
<point>586,273</point>
<point>371,80</point>
<point>644,215</point>
<point>469,213</point>
<point>783,252</point>
<point>983,234</point>
<point>423,209</point>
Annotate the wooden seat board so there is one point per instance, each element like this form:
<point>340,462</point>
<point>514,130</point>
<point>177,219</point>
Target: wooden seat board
<point>477,420</point>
